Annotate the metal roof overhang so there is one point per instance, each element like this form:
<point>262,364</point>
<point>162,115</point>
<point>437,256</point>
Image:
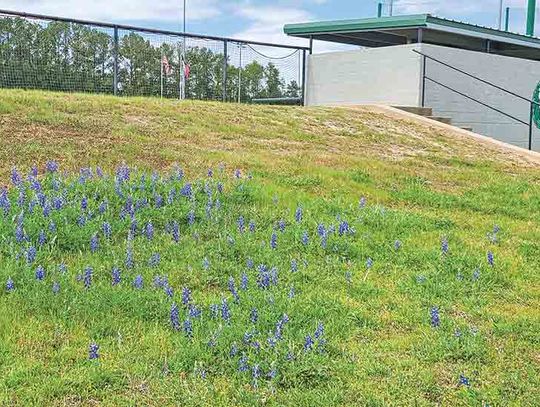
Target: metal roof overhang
<point>388,31</point>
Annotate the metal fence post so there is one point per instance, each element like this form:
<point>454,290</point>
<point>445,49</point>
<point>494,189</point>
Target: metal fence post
<point>304,77</point>
<point>424,62</point>
<point>115,62</point>
<point>225,70</point>
<point>531,126</point>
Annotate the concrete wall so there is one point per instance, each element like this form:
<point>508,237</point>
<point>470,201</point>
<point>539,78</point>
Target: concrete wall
<point>518,75</point>
<point>392,76</point>
<point>373,75</point>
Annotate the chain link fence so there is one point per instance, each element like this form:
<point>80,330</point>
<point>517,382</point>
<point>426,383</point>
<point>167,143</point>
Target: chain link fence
<point>52,53</point>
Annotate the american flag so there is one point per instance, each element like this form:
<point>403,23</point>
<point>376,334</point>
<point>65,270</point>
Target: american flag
<point>167,69</point>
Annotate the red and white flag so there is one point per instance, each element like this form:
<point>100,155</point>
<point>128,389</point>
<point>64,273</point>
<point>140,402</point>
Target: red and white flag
<point>187,70</point>
<point>167,69</point>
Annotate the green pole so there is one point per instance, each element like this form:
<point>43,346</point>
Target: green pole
<point>379,10</point>
<point>507,19</point>
<point>531,14</point>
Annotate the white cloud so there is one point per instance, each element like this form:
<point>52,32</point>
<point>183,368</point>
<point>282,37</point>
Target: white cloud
<point>117,10</point>
<point>266,25</point>
<point>453,7</point>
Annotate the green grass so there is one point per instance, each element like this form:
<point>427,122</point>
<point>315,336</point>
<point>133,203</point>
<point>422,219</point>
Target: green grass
<point>420,183</point>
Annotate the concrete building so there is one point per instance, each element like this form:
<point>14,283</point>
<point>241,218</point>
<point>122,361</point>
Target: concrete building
<point>480,78</point>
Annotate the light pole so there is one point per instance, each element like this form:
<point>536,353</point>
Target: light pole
<point>500,14</point>
<point>391,8</point>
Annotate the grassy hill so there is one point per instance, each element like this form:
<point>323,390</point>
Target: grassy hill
<point>413,265</point>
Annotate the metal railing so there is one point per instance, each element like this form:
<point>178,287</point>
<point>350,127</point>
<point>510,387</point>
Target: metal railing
<point>57,53</point>
<point>425,78</point>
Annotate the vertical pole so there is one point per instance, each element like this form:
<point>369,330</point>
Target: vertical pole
<point>240,74</point>
<point>420,36</point>
<point>115,62</point>
<point>391,8</point>
<point>424,62</point>
<point>531,15</point>
<point>507,19</point>
<point>531,126</point>
<point>310,45</point>
<point>224,70</point>
<point>304,61</point>
<point>161,73</point>
<point>500,14</point>
<point>379,10</point>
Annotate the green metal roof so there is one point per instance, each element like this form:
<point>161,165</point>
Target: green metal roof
<point>428,21</point>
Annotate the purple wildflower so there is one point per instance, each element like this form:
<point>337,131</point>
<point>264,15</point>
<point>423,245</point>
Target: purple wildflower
<point>10,285</point>
<point>149,231</point>
<point>444,245</point>
<point>308,343</point>
<point>16,178</point>
<point>174,317</point>
<point>298,214</point>
<point>490,259</point>
<point>294,265</point>
<point>93,351</point>
<point>435,320</point>
<point>52,166</point>
<point>464,381</point>
<point>244,281</point>
<point>107,230</point>
<point>40,273</point>
<point>243,363</point>
<point>252,226</point>
<point>154,260</point>
<point>241,224</point>
<point>94,243</point>
<point>88,272</point>
<point>397,245</point>
<point>116,276</point>
<point>138,282</point>
<point>56,287</point>
<point>175,231</point>
<point>188,328</point>
<point>254,315</point>
<point>273,241</point>
<point>225,311</point>
<point>232,289</point>
<point>186,295</point>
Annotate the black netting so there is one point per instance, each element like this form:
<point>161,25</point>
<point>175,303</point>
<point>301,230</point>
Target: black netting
<point>41,53</point>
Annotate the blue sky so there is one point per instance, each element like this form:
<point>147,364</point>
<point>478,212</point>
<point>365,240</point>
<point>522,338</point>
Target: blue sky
<point>262,20</point>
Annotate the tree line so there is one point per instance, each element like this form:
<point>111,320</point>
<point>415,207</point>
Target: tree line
<point>73,57</point>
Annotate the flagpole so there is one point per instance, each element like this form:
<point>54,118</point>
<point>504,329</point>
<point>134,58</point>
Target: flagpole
<point>183,64</point>
<point>161,73</point>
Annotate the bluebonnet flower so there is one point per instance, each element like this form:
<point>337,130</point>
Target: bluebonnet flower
<point>88,277</point>
<point>186,295</point>
<point>348,277</point>
<point>33,171</point>
<point>22,198</point>
<point>188,328</point>
<point>107,230</point>
<point>210,173</point>
<point>62,268</point>
<point>19,233</point>
<point>243,363</point>
<point>319,332</point>
<point>138,282</point>
<point>52,226</point>
<point>264,277</point>
<point>191,217</point>
<point>149,231</point>
<point>169,292</point>
<point>84,203</point>
<point>490,259</point>
<point>40,273</point>
<point>254,315</point>
<point>116,276</point>
<point>16,178</point>
<point>10,285</point>
<point>294,265</point>
<point>256,373</point>
<point>435,320</point>
<point>220,187</point>
<point>186,191</point>
<point>129,257</point>
<point>237,173</point>
<point>81,220</point>
<point>444,245</point>
<point>56,287</point>
<point>362,202</point>
<point>241,224</point>
<point>291,292</point>
<point>214,310</point>
<point>230,240</point>
<point>5,204</point>
<point>397,245</point>
<point>274,275</point>
<point>93,351</point>
<point>232,289</point>
<point>234,350</point>
<point>132,229</point>
<point>225,311</point>
<point>194,311</point>
<point>122,174</point>
<point>369,263</point>
<point>308,343</point>
<point>298,214</point>
<point>175,231</point>
<point>52,166</point>
<point>244,281</point>
<point>343,228</point>
<point>94,243</point>
<point>321,230</point>
<point>278,334</point>
<point>46,209</point>
<point>420,279</point>
<point>464,381</point>
<point>249,263</point>
<point>273,241</point>
<point>175,317</point>
<point>305,238</point>
<point>289,357</point>
<point>158,201</point>
<point>252,226</point>
<point>457,333</point>
<point>154,260</point>
<point>281,225</point>
<point>272,373</point>
<point>99,172</point>
<point>476,274</point>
